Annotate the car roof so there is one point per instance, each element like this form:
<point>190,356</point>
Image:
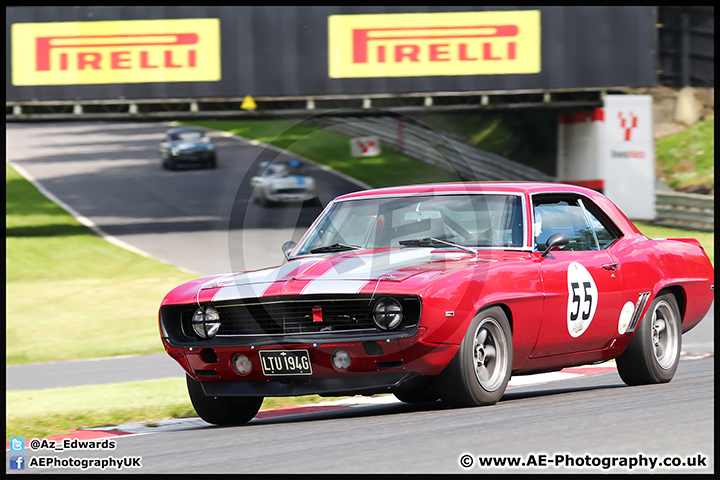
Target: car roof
<point>185,129</point>
<point>529,188</point>
<point>473,187</point>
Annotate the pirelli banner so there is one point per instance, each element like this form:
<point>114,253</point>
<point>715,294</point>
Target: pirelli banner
<point>66,53</point>
<point>131,51</point>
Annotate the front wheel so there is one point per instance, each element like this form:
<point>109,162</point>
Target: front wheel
<point>479,372</point>
<point>222,410</point>
<point>653,353</point>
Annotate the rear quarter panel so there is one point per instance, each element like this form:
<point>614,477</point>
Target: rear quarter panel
<point>657,264</point>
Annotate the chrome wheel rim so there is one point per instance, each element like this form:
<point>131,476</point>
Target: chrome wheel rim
<point>664,334</point>
<point>490,354</point>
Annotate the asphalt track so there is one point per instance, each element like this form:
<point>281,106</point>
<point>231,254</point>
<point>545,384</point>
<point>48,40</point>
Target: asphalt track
<point>189,219</point>
<point>200,220</point>
<point>573,426</point>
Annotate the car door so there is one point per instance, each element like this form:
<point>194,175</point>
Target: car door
<point>583,291</point>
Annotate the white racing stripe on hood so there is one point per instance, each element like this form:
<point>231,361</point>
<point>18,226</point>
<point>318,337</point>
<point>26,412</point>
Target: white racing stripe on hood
<point>254,284</point>
<point>233,292</point>
<point>372,266</point>
<point>354,272</point>
<point>334,286</point>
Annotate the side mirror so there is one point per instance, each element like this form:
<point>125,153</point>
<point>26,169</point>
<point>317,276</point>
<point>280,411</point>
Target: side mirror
<point>288,247</point>
<point>557,241</point>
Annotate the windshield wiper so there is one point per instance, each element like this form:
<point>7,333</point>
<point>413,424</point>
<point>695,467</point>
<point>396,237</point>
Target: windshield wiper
<point>336,247</point>
<point>434,242</point>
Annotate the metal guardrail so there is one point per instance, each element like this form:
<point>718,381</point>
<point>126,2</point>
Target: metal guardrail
<point>469,163</point>
<point>685,210</point>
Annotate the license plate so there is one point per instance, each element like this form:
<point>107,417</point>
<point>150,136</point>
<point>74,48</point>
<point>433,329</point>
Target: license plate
<point>285,362</point>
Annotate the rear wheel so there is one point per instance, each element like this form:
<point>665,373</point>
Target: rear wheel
<point>479,372</point>
<point>653,353</point>
<point>222,410</point>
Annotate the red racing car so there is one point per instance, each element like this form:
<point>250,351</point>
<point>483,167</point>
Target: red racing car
<point>440,291</point>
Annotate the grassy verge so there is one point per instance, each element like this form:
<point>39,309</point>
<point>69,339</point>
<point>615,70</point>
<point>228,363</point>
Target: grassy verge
<point>333,149</point>
<point>686,160</point>
<point>71,294</point>
<point>41,413</point>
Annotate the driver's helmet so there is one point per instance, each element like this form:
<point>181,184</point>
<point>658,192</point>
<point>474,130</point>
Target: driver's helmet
<point>537,224</point>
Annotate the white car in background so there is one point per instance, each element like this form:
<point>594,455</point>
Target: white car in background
<point>283,181</point>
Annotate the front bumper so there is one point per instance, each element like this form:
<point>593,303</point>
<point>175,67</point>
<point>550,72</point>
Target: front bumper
<point>378,366</point>
<point>193,157</point>
<point>280,197</point>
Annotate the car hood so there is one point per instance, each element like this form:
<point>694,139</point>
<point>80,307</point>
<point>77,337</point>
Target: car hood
<point>344,273</point>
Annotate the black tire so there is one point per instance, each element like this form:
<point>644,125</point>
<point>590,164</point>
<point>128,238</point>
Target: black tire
<point>418,390</point>
<point>653,353</point>
<point>479,372</point>
<point>265,202</point>
<point>212,162</point>
<point>222,410</point>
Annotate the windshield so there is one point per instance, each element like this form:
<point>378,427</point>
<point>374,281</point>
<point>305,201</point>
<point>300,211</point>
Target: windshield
<point>482,220</point>
<point>281,169</point>
<point>188,136</point>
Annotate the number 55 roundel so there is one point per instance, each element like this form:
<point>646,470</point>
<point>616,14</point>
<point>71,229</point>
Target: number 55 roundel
<point>582,299</point>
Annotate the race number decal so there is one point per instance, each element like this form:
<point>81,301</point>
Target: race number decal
<point>582,299</point>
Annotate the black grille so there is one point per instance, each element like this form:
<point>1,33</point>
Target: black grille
<point>294,315</point>
<point>289,191</point>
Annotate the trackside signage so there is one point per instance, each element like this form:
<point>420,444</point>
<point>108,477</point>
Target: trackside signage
<point>612,149</point>
<point>427,44</point>
<point>130,51</point>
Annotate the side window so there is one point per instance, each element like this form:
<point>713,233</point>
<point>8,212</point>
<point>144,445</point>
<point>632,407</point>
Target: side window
<point>605,232</point>
<point>579,220</point>
<point>562,214</point>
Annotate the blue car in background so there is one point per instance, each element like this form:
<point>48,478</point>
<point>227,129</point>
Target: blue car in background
<point>187,146</point>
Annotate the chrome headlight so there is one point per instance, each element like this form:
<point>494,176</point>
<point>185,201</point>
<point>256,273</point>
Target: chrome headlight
<point>206,322</point>
<point>388,313</point>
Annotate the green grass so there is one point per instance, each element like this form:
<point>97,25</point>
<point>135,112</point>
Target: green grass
<point>686,160</point>
<point>71,294</point>
<point>41,413</point>
<point>333,150</point>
